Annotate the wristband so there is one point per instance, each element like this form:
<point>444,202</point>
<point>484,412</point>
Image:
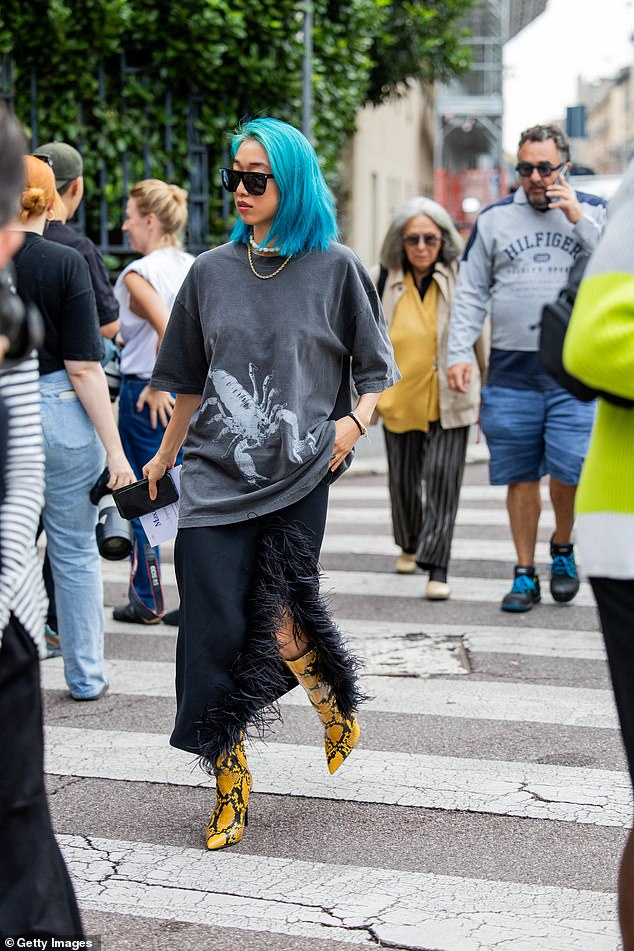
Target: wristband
<point>362,429</point>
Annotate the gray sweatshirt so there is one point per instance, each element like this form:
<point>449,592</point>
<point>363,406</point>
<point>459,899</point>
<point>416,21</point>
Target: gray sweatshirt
<point>517,259</point>
<point>272,360</point>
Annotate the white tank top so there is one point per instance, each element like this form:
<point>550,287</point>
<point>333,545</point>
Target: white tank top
<point>165,269</point>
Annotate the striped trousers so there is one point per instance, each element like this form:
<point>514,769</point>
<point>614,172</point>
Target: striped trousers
<point>436,460</point>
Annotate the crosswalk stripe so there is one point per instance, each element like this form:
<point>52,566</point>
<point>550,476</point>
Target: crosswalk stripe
<point>465,699</point>
<point>338,903</point>
<point>530,790</point>
<point>390,585</point>
<point>470,549</point>
<point>530,641</point>
<point>466,516</point>
<point>350,491</point>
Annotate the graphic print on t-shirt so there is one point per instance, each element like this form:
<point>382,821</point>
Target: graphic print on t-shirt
<point>252,420</point>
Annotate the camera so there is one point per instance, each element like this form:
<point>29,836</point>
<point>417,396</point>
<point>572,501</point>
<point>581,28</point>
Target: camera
<point>22,325</point>
<point>112,369</point>
<point>114,533</point>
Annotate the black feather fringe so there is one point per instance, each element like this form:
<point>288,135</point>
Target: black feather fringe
<point>285,582</point>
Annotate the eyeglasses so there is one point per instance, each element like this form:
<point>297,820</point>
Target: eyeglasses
<point>525,169</point>
<point>44,158</point>
<point>254,182</point>
<point>413,240</point>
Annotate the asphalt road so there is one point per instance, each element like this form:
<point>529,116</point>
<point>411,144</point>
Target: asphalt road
<point>485,806</point>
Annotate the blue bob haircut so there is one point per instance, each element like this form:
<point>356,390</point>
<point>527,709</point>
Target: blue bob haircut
<point>305,218</point>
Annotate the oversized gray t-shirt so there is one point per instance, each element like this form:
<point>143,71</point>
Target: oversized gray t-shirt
<point>272,361</point>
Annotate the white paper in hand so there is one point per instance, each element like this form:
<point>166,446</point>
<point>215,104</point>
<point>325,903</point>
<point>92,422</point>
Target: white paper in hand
<point>161,525</point>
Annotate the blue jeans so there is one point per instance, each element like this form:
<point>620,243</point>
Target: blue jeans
<point>74,458</point>
<point>140,443</point>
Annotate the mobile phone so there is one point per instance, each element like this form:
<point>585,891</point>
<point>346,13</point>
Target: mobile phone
<point>561,178</point>
<point>134,500</point>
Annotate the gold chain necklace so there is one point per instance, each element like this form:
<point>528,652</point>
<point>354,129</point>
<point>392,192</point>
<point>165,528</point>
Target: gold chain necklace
<point>266,277</point>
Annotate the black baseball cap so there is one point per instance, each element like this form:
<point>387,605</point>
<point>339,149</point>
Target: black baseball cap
<point>66,161</point>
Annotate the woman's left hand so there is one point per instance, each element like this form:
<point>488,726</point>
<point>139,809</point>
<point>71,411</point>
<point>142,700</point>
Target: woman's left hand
<point>120,470</point>
<point>160,403</point>
<point>345,439</point>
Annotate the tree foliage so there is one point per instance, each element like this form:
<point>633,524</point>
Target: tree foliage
<point>238,56</point>
<point>417,39</point>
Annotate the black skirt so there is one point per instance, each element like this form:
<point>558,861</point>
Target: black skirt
<point>238,584</point>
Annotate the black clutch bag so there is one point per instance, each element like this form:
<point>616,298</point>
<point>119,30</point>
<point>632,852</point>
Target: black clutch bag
<point>134,500</point>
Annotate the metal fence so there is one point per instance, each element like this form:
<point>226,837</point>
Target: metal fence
<point>198,157</point>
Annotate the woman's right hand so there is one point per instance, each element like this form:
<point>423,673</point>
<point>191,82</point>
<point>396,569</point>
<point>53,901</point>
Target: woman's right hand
<point>154,470</point>
<point>159,403</point>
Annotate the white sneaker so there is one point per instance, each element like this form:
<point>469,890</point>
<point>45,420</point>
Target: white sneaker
<point>437,591</point>
<point>405,564</point>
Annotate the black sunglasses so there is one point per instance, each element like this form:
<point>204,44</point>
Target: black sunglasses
<point>44,158</point>
<point>254,182</point>
<point>413,240</point>
<point>525,169</point>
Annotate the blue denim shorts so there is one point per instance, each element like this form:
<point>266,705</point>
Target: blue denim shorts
<point>531,433</point>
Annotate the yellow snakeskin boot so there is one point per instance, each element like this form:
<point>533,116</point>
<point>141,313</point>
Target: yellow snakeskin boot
<point>233,785</point>
<point>341,734</point>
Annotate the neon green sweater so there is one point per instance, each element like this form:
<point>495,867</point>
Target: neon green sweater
<point>599,349</point>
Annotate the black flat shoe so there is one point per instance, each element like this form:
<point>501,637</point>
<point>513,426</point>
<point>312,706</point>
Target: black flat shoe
<point>171,618</point>
<point>132,615</point>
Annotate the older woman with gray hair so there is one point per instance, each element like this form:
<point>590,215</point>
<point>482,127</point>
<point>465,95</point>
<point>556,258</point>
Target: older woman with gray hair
<point>426,424</point>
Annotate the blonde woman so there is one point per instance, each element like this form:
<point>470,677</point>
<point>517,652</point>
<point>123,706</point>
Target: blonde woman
<point>156,214</point>
<point>426,425</point>
<point>78,425</point>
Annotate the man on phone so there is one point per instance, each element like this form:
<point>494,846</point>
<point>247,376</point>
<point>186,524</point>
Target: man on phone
<point>516,260</point>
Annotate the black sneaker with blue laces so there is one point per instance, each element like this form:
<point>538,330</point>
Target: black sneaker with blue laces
<point>564,580</point>
<point>525,591</point>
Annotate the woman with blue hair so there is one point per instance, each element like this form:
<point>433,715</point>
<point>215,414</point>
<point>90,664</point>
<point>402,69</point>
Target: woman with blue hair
<point>264,338</point>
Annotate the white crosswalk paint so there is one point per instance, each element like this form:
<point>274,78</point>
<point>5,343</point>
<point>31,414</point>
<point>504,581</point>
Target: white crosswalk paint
<point>487,700</point>
<point>388,584</point>
<point>466,516</point>
<point>466,699</point>
<point>512,639</point>
<point>531,790</point>
<point>349,491</point>
<point>338,903</point>
<point>472,549</point>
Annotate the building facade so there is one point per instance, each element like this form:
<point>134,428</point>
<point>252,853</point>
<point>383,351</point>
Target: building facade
<point>389,159</point>
<point>469,169</point>
<point>609,108</point>
<point>444,142</point>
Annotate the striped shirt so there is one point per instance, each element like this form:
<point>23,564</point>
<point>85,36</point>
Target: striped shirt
<point>21,586</point>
